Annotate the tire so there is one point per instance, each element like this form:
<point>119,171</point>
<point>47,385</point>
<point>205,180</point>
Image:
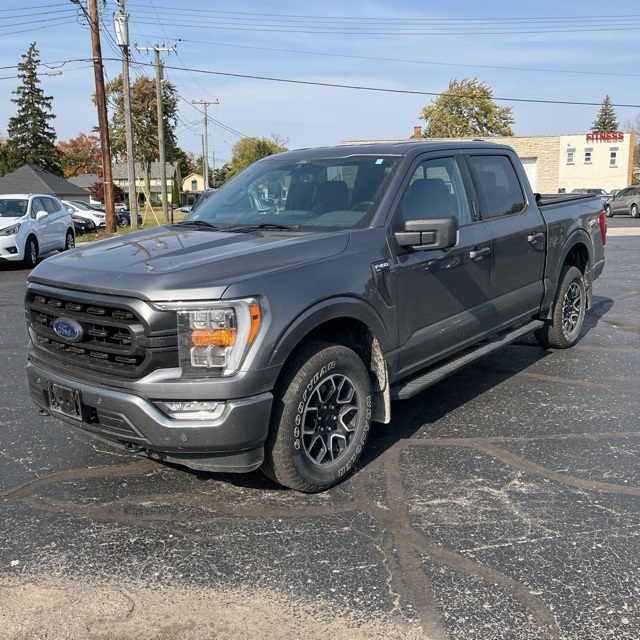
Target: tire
<point>70,241</point>
<point>122,221</point>
<point>321,418</point>
<point>607,211</point>
<point>634,211</point>
<point>30,253</point>
<point>569,306</point>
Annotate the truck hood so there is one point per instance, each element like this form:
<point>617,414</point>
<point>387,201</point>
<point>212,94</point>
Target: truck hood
<point>168,262</point>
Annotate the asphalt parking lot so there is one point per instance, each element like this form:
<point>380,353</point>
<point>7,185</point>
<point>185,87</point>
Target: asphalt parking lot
<point>503,503</point>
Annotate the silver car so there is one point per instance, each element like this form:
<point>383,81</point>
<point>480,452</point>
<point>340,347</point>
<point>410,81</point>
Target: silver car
<point>626,201</point>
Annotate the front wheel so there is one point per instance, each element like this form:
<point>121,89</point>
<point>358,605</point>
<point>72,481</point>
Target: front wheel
<point>321,418</point>
<point>607,211</point>
<point>70,241</point>
<point>569,307</point>
<point>634,211</point>
<point>122,221</point>
<point>30,253</point>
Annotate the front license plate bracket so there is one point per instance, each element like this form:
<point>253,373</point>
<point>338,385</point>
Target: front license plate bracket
<point>65,401</point>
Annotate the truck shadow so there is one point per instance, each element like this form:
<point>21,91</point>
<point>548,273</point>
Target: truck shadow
<point>429,407</point>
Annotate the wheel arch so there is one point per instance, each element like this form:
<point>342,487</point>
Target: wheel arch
<point>577,254</point>
<point>350,323</point>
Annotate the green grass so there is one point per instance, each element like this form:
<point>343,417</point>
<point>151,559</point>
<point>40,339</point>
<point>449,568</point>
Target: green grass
<point>149,222</point>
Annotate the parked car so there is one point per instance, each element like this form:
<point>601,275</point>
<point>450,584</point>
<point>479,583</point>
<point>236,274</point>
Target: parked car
<point>604,195</point>
<point>626,201</point>
<point>83,225</point>
<point>123,218</point>
<point>98,217</point>
<point>33,224</point>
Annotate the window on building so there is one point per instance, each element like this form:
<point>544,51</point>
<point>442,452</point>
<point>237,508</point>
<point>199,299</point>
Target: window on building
<point>587,155</point>
<point>194,185</point>
<point>613,157</point>
<point>570,156</point>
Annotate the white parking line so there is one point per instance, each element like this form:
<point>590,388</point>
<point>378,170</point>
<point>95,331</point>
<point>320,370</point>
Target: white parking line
<point>623,231</point>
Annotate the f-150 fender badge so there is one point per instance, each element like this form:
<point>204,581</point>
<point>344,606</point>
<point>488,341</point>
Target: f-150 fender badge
<point>380,269</point>
<point>69,330</point>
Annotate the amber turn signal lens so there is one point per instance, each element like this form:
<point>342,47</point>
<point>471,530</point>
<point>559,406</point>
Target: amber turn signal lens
<point>216,338</point>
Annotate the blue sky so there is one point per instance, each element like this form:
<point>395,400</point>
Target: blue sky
<point>560,52</point>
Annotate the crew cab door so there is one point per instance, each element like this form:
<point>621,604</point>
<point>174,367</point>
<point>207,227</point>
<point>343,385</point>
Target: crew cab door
<point>443,294</point>
<point>518,239</point>
<point>43,227</point>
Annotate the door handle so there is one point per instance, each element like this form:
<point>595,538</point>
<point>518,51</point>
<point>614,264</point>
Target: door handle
<point>478,254</point>
<point>535,237</point>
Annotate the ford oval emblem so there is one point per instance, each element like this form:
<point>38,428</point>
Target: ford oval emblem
<point>69,330</point>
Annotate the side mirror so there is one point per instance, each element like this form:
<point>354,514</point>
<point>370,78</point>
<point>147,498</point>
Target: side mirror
<point>41,214</point>
<point>429,234</point>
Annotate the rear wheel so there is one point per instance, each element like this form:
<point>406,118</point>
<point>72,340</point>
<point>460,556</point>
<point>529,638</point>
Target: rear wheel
<point>321,418</point>
<point>569,307</point>
<point>607,211</point>
<point>634,211</point>
<point>30,253</point>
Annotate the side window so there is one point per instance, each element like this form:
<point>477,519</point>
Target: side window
<point>49,205</point>
<point>497,184</point>
<point>36,205</point>
<point>436,190</point>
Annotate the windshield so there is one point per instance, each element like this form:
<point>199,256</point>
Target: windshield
<point>312,195</point>
<point>13,208</point>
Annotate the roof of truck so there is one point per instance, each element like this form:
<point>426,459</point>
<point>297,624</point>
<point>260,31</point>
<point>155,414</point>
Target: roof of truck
<point>399,148</point>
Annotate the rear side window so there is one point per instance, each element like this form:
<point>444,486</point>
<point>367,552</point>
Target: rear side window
<point>498,186</point>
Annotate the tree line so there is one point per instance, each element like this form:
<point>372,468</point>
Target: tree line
<point>465,109</point>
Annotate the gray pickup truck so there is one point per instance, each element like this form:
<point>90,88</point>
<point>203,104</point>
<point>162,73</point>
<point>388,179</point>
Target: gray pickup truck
<point>273,325</point>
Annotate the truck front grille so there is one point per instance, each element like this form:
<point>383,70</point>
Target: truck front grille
<point>116,337</point>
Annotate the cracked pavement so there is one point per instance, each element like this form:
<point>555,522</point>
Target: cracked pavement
<point>503,502</point>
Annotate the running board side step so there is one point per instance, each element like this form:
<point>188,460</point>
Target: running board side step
<point>408,389</point>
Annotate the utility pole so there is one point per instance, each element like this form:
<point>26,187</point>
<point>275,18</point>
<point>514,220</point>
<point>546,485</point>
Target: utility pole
<point>122,38</point>
<point>101,102</point>
<point>163,163</point>
<point>205,140</point>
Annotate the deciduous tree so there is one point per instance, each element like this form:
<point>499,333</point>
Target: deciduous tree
<point>144,117</point>
<point>97,191</point>
<point>32,138</point>
<point>248,150</point>
<point>466,109</point>
<point>80,155</point>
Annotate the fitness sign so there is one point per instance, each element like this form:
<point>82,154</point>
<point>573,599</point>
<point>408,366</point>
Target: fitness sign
<point>609,136</point>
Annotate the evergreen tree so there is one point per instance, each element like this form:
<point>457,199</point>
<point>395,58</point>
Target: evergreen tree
<point>32,139</point>
<point>606,120</point>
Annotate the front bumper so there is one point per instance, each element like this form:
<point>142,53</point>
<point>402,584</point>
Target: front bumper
<point>11,250</point>
<point>232,442</point>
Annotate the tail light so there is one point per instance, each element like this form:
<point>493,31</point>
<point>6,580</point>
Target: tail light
<point>602,221</point>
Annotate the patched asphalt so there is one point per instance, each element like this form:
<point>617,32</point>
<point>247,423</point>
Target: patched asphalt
<point>503,502</point>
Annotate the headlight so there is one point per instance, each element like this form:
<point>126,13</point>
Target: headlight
<point>213,338</point>
<point>11,231</point>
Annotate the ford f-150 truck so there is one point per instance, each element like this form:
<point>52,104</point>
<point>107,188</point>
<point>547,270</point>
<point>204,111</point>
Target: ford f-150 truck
<point>273,325</point>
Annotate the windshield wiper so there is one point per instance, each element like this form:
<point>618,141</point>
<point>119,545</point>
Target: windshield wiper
<point>267,226</point>
<point>200,223</point>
